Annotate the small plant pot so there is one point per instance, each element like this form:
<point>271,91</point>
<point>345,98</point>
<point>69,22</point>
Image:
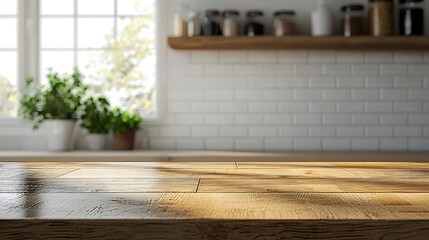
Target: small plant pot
<point>124,141</point>
<point>60,135</point>
<point>96,142</point>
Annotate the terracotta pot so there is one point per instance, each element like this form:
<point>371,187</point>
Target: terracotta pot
<point>124,141</point>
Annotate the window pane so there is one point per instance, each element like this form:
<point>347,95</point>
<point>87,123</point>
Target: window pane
<point>95,33</point>
<point>8,37</point>
<point>8,80</point>
<point>57,7</point>
<point>96,7</point>
<point>61,62</point>
<point>57,33</point>
<point>8,6</point>
<point>135,7</point>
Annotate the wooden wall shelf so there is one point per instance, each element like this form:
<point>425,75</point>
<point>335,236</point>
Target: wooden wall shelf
<point>299,42</point>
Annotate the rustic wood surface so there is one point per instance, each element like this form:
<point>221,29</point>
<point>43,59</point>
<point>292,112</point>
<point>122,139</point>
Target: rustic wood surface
<point>208,200</point>
<point>299,42</point>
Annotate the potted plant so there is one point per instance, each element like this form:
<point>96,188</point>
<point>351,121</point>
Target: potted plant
<point>124,125</point>
<point>56,105</point>
<point>95,118</point>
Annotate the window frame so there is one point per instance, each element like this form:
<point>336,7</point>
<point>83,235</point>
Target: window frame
<point>29,49</point>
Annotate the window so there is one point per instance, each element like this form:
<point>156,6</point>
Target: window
<point>112,42</point>
<point>8,57</point>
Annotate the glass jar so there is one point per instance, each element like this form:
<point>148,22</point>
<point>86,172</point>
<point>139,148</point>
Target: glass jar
<point>254,25</point>
<point>283,23</point>
<point>194,24</point>
<point>180,21</point>
<point>211,26</point>
<point>352,23</point>
<point>411,18</point>
<point>381,17</point>
<point>230,24</point>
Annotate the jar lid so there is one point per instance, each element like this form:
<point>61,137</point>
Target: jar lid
<point>352,7</point>
<point>212,12</point>
<point>284,12</point>
<point>231,13</point>
<point>409,1</point>
<point>255,13</point>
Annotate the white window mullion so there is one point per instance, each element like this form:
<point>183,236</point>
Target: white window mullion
<point>75,35</point>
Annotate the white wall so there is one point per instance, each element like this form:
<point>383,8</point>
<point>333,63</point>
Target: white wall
<point>285,100</point>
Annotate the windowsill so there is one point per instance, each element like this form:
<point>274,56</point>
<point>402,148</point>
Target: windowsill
<point>210,156</point>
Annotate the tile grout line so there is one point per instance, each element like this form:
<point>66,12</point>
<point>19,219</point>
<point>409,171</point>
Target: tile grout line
<point>198,185</point>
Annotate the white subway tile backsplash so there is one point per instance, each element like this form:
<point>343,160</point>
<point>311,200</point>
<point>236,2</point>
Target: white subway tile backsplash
<point>278,144</point>
<point>162,143</point>
<point>249,94</point>
<point>279,69</point>
<point>382,82</point>
<point>337,94</point>
<point>233,131</point>
<point>350,107</point>
<point>178,57</point>
<point>307,119</point>
<point>190,144</point>
<point>379,56</point>
<point>234,107</point>
<point>294,82</point>
<point>426,131</point>
<point>366,94</point>
<point>350,57</point>
<point>219,69</point>
<point>408,131</point>
<point>365,119</point>
<point>263,131</point>
<point>293,56</point>
<point>204,56</point>
<point>359,144</point>
<point>323,107</point>
<point>366,69</point>
<point>394,94</point>
<point>186,94</point>
<point>307,144</point>
<point>394,144</point>
<point>233,82</point>
<point>293,107</point>
<point>186,69</point>
<point>221,94</point>
<point>233,56</point>
<point>249,119</point>
<point>337,69</point>
<point>249,69</point>
<point>350,82</point>
<point>263,56</point>
<point>420,144</point>
<point>336,119</point>
<point>394,69</point>
<point>205,131</point>
<point>219,119</point>
<point>319,131</point>
<point>308,69</point>
<point>377,107</point>
<point>419,94</point>
<point>225,144</point>
<point>379,131</point>
<point>393,119</point>
<point>279,94</point>
<point>350,131</point>
<point>419,119</point>
<point>408,107</point>
<point>293,131</point>
<point>189,119</point>
<point>278,119</point>
<point>322,56</point>
<point>419,69</point>
<point>249,144</point>
<point>322,82</point>
<point>408,82</point>
<point>308,94</point>
<point>179,107</point>
<point>341,144</point>
<point>205,107</point>
<point>174,131</point>
<point>262,107</point>
<point>264,82</point>
<point>407,57</point>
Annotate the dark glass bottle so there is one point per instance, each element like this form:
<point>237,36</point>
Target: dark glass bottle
<point>254,25</point>
<point>211,25</point>
<point>411,18</point>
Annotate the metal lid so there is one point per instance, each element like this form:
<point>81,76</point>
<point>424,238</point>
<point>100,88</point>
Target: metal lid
<point>231,13</point>
<point>212,12</point>
<point>255,13</point>
<point>284,12</point>
<point>352,7</point>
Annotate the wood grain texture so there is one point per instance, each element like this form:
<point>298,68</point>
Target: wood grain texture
<point>299,42</point>
<point>208,156</point>
<point>213,229</point>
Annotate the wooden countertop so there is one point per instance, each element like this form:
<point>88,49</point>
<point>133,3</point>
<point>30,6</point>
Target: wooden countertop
<point>211,156</point>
